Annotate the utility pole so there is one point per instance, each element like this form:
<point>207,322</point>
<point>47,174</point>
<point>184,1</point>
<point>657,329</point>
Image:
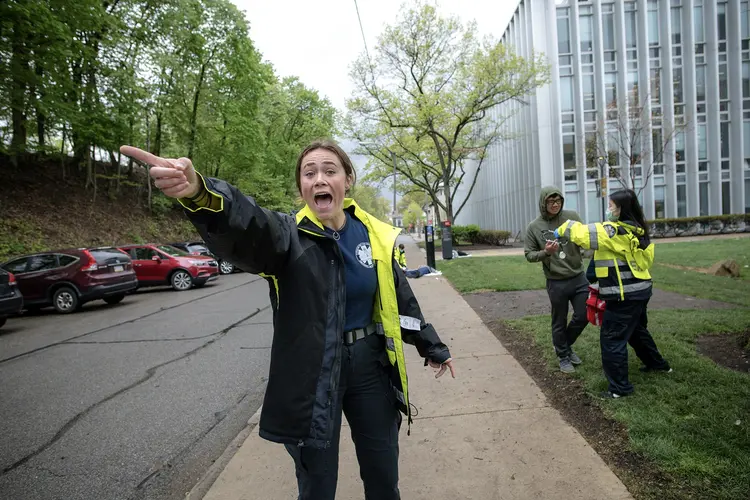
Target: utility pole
<point>603,175</point>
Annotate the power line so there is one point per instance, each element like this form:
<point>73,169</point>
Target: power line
<point>362,30</point>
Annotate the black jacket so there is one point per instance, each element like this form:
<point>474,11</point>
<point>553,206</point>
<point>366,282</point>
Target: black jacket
<point>305,271</point>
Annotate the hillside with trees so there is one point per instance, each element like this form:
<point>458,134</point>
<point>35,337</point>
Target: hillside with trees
<point>176,77</point>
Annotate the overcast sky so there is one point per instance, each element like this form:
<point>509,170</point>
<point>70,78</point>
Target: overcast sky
<point>317,40</point>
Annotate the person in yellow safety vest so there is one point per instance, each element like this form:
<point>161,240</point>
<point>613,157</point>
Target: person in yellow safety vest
<point>623,255</point>
<point>401,256</point>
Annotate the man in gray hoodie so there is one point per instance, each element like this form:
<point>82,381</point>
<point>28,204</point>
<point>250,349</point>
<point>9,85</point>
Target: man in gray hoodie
<point>563,267</point>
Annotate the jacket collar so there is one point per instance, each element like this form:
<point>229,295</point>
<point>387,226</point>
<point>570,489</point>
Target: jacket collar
<point>382,235</point>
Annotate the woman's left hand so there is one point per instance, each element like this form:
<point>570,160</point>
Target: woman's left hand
<point>442,367</point>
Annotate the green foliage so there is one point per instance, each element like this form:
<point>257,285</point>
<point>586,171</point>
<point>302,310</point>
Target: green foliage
<point>468,233</point>
<point>179,77</point>
<point>425,98</point>
<point>369,199</point>
<point>708,224</point>
<point>18,237</point>
<point>492,237</point>
<point>412,214</point>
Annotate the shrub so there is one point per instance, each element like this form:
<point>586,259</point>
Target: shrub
<point>709,224</point>
<point>493,237</point>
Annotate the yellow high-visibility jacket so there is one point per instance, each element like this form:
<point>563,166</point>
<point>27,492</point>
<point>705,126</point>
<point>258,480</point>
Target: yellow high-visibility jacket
<point>623,254</point>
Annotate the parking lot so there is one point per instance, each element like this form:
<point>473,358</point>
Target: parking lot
<point>132,400</point>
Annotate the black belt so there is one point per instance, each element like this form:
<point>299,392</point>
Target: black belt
<point>352,336</point>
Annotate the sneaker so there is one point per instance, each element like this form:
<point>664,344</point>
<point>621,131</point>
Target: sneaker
<point>566,366</point>
<point>663,369</point>
<point>611,395</point>
<point>574,358</point>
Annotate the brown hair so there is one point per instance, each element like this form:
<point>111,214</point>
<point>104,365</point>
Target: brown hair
<point>334,148</point>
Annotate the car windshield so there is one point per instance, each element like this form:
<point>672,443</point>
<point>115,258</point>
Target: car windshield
<point>174,252</point>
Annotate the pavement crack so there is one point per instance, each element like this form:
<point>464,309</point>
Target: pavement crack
<point>503,410</point>
<point>86,342</point>
<point>148,375</point>
<point>115,325</point>
<point>219,417</point>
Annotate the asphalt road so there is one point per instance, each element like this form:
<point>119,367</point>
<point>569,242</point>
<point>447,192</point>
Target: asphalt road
<point>131,401</point>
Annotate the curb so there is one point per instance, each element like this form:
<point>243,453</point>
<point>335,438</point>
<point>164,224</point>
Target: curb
<point>204,484</point>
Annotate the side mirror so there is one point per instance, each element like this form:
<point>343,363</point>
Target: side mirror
<point>156,259</point>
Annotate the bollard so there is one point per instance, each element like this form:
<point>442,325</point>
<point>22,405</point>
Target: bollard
<point>447,241</point>
<point>429,245</point>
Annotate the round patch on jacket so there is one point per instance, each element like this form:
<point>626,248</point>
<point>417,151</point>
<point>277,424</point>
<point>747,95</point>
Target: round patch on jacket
<point>364,255</point>
<point>611,231</point>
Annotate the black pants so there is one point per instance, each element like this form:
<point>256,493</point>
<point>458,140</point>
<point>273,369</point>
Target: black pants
<point>626,323</point>
<point>561,292</point>
<point>367,399</point>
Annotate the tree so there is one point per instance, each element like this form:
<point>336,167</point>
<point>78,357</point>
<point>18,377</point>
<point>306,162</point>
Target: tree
<point>413,214</point>
<point>369,199</point>
<point>626,139</point>
<point>427,95</point>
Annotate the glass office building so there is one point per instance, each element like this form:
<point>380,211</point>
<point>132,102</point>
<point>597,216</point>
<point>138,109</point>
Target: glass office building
<point>656,92</point>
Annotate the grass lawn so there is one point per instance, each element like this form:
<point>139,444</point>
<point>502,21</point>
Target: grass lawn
<point>507,273</point>
<point>706,253</point>
<point>694,422</point>
<point>493,273</point>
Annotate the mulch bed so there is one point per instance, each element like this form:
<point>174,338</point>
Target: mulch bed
<point>732,351</point>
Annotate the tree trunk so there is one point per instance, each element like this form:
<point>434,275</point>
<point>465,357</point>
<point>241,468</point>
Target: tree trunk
<point>194,115</point>
<point>19,67</point>
<point>62,152</point>
<point>447,195</point>
<point>89,175</point>
<point>157,135</point>
<point>41,118</point>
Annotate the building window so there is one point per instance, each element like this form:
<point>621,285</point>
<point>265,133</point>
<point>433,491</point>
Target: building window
<point>586,25</point>
<point>608,31</point>
<point>702,151</point>
<point>724,132</point>
<point>563,35</point>
<point>746,80</point>
<point>630,30</point>
<point>745,22</point>
<point>655,86</point>
<point>681,200</point>
<point>676,25</point>
<point>589,95</point>
<point>677,78</point>
<point>698,24</point>
<point>700,83</point>
<point>679,146</point>
<point>610,88</point>
<point>566,93</point>
<point>747,196</point>
<point>659,204</point>
<point>633,88</point>
<point>723,90</point>
<point>653,23</point>
<point>703,198</point>
<point>721,20</point>
<point>569,152</point>
<point>726,198</point>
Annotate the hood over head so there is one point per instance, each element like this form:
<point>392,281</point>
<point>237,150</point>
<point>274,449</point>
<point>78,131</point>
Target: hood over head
<point>546,192</point>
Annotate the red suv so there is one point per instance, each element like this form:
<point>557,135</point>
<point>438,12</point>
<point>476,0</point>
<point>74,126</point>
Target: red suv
<point>66,279</point>
<point>166,265</point>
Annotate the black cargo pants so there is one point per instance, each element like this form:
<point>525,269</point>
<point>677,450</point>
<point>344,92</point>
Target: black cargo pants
<point>562,292</point>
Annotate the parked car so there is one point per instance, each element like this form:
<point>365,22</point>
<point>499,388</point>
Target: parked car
<point>67,279</point>
<point>11,300</point>
<point>200,248</point>
<point>166,265</point>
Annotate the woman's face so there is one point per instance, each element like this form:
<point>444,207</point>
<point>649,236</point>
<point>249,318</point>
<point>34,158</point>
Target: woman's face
<point>614,208</point>
<point>323,185</point>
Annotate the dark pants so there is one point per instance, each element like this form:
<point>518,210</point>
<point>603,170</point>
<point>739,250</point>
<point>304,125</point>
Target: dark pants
<point>367,399</point>
<point>561,292</point>
<point>626,323</point>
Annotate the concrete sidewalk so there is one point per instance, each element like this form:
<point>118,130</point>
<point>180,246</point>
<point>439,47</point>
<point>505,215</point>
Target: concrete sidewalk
<point>488,434</point>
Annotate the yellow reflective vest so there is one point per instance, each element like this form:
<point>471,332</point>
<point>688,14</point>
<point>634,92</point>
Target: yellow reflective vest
<point>622,257</point>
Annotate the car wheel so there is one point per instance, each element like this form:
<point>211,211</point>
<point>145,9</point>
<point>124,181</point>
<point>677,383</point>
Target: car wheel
<point>114,299</point>
<point>2,321</point>
<point>65,300</point>
<point>181,281</point>
<point>226,267</point>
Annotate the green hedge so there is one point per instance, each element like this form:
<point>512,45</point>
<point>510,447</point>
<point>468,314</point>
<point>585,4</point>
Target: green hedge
<point>475,235</point>
<point>709,224</point>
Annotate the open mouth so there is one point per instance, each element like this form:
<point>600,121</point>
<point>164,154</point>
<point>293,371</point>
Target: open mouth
<point>323,200</point>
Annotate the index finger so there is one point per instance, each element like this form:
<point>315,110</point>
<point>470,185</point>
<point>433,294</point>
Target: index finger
<point>144,156</point>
